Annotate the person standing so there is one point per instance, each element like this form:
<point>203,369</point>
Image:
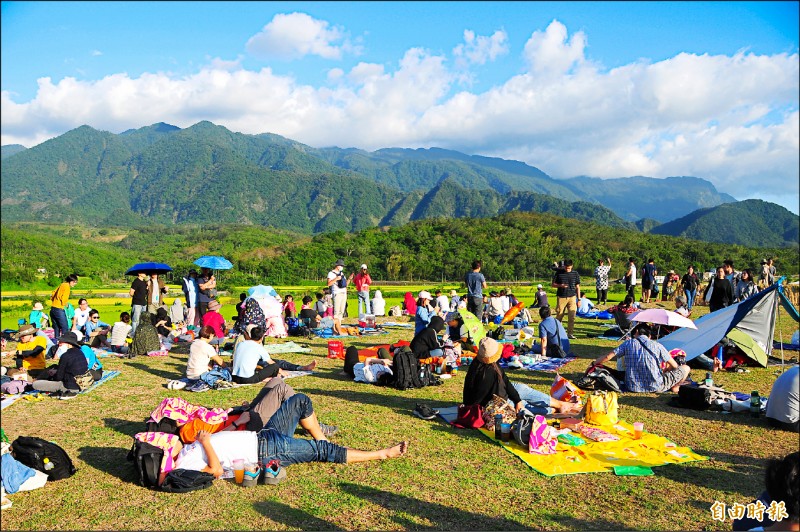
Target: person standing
<point>690,282</point>
<point>475,282</point>
<point>58,300</point>
<point>207,285</point>
<point>649,273</point>
<point>337,282</point>
<point>190,292</point>
<point>138,294</point>
<point>772,272</point>
<point>568,285</point>
<point>601,280</point>
<point>721,291</point>
<point>156,288</point>
<point>362,282</point>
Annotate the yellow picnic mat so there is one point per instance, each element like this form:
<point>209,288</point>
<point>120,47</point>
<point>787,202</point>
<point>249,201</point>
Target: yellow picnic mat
<point>602,457</point>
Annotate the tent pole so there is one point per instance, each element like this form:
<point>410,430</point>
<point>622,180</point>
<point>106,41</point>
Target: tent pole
<point>780,331</point>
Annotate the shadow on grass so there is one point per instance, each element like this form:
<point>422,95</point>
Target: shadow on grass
<point>159,372</point>
<point>124,426</point>
<point>745,475</point>
<point>291,517</point>
<point>662,403</point>
<point>110,460</point>
<point>399,404</point>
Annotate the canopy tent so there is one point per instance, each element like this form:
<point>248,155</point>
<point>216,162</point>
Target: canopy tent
<point>754,317</point>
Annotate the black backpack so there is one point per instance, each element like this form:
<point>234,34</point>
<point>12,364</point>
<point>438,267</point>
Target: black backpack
<point>407,370</point>
<point>170,426</point>
<point>186,480</point>
<point>146,459</point>
<point>32,451</point>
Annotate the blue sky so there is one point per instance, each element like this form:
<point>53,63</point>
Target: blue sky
<point>607,89</point>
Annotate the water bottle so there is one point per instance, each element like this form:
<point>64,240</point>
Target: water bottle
<point>709,380</point>
<point>498,430</point>
<point>48,465</point>
<point>755,404</point>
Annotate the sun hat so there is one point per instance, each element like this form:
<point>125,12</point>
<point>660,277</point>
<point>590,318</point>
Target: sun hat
<point>489,350</point>
<point>69,338</point>
<point>214,305</point>
<point>424,294</point>
<point>363,266</point>
<point>38,306</point>
<point>538,286</point>
<point>26,329</point>
<point>339,262</point>
<point>453,316</point>
<point>453,293</point>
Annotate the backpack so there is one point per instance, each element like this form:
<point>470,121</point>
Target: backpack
<point>146,458</point>
<point>699,397</point>
<point>186,480</point>
<point>170,426</point>
<point>407,370</point>
<point>32,451</point>
<point>342,282</point>
<point>293,326</point>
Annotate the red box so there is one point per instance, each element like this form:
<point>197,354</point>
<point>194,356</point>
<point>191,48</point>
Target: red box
<point>335,349</point>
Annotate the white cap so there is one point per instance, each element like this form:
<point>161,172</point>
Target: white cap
<point>79,335</point>
<point>538,286</point>
<point>424,295</point>
<point>363,266</point>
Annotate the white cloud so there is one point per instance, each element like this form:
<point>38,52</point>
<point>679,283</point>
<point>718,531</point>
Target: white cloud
<point>96,53</point>
<point>295,35</point>
<point>477,50</point>
<point>731,119</point>
<point>217,63</point>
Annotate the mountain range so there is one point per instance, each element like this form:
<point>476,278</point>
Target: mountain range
<point>206,173</point>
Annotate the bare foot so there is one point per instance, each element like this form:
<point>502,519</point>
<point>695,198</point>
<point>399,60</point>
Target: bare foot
<point>309,367</point>
<point>717,365</point>
<point>569,408</point>
<point>396,451</point>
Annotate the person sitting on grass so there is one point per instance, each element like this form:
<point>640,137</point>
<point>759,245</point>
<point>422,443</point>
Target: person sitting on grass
<point>457,331</point>
<point>212,318</point>
<point>119,334</point>
<point>215,453</point>
<point>201,354</point>
<point>424,311</point>
<point>551,332</point>
<point>31,350</point>
<point>71,364</point>
<point>145,339</point>
<point>96,331</point>
<point>680,306</point>
<point>308,316</point>
<point>94,365</point>
<point>644,359</point>
<point>252,363</point>
<point>782,487</point>
<point>425,344</point>
<point>485,379</point>
<point>37,317</point>
<point>783,407</point>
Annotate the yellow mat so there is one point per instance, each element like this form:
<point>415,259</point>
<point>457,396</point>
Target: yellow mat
<point>601,457</point>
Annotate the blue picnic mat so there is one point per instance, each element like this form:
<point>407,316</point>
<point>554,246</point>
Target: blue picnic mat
<point>550,365</point>
<point>107,376</point>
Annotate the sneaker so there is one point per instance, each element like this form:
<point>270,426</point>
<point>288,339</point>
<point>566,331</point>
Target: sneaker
<point>425,412</point>
<point>199,386</point>
<point>571,336</point>
<point>64,396</point>
<point>328,430</point>
<point>223,384</point>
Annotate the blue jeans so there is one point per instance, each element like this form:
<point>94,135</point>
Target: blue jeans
<point>59,319</point>
<point>690,295</point>
<point>363,296</point>
<point>536,401</point>
<point>276,441</point>
<point>435,353</point>
<point>136,313</point>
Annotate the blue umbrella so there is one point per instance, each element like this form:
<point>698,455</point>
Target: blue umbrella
<point>148,267</point>
<point>261,291</point>
<point>214,262</point>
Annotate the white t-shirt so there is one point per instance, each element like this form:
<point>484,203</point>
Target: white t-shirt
<point>81,317</point>
<point>333,274</point>
<point>632,271</point>
<point>200,354</point>
<point>443,303</point>
<point>119,332</point>
<point>229,445</point>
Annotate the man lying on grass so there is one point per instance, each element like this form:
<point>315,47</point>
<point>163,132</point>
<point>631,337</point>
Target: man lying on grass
<point>215,453</point>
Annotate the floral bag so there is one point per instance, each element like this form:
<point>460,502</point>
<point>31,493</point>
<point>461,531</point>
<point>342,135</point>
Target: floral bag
<point>498,405</point>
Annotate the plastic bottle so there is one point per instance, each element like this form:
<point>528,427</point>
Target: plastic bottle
<point>498,430</point>
<point>755,404</point>
<point>48,465</point>
<point>709,380</point>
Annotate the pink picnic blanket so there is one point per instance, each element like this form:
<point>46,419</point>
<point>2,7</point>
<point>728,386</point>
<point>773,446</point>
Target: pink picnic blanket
<point>182,411</point>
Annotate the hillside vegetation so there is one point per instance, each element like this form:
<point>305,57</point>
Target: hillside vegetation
<point>513,246</point>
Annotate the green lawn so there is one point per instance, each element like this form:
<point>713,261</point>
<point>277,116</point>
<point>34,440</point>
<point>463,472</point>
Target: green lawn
<point>450,479</point>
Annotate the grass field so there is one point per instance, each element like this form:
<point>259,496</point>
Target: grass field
<point>450,479</point>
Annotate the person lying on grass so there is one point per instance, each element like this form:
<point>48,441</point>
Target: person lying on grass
<point>252,363</point>
<point>485,379</point>
<point>215,453</point>
<point>644,358</point>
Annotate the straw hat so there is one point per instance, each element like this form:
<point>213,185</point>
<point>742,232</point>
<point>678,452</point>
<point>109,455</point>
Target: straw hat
<point>453,293</point>
<point>38,306</point>
<point>25,330</point>
<point>489,350</point>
